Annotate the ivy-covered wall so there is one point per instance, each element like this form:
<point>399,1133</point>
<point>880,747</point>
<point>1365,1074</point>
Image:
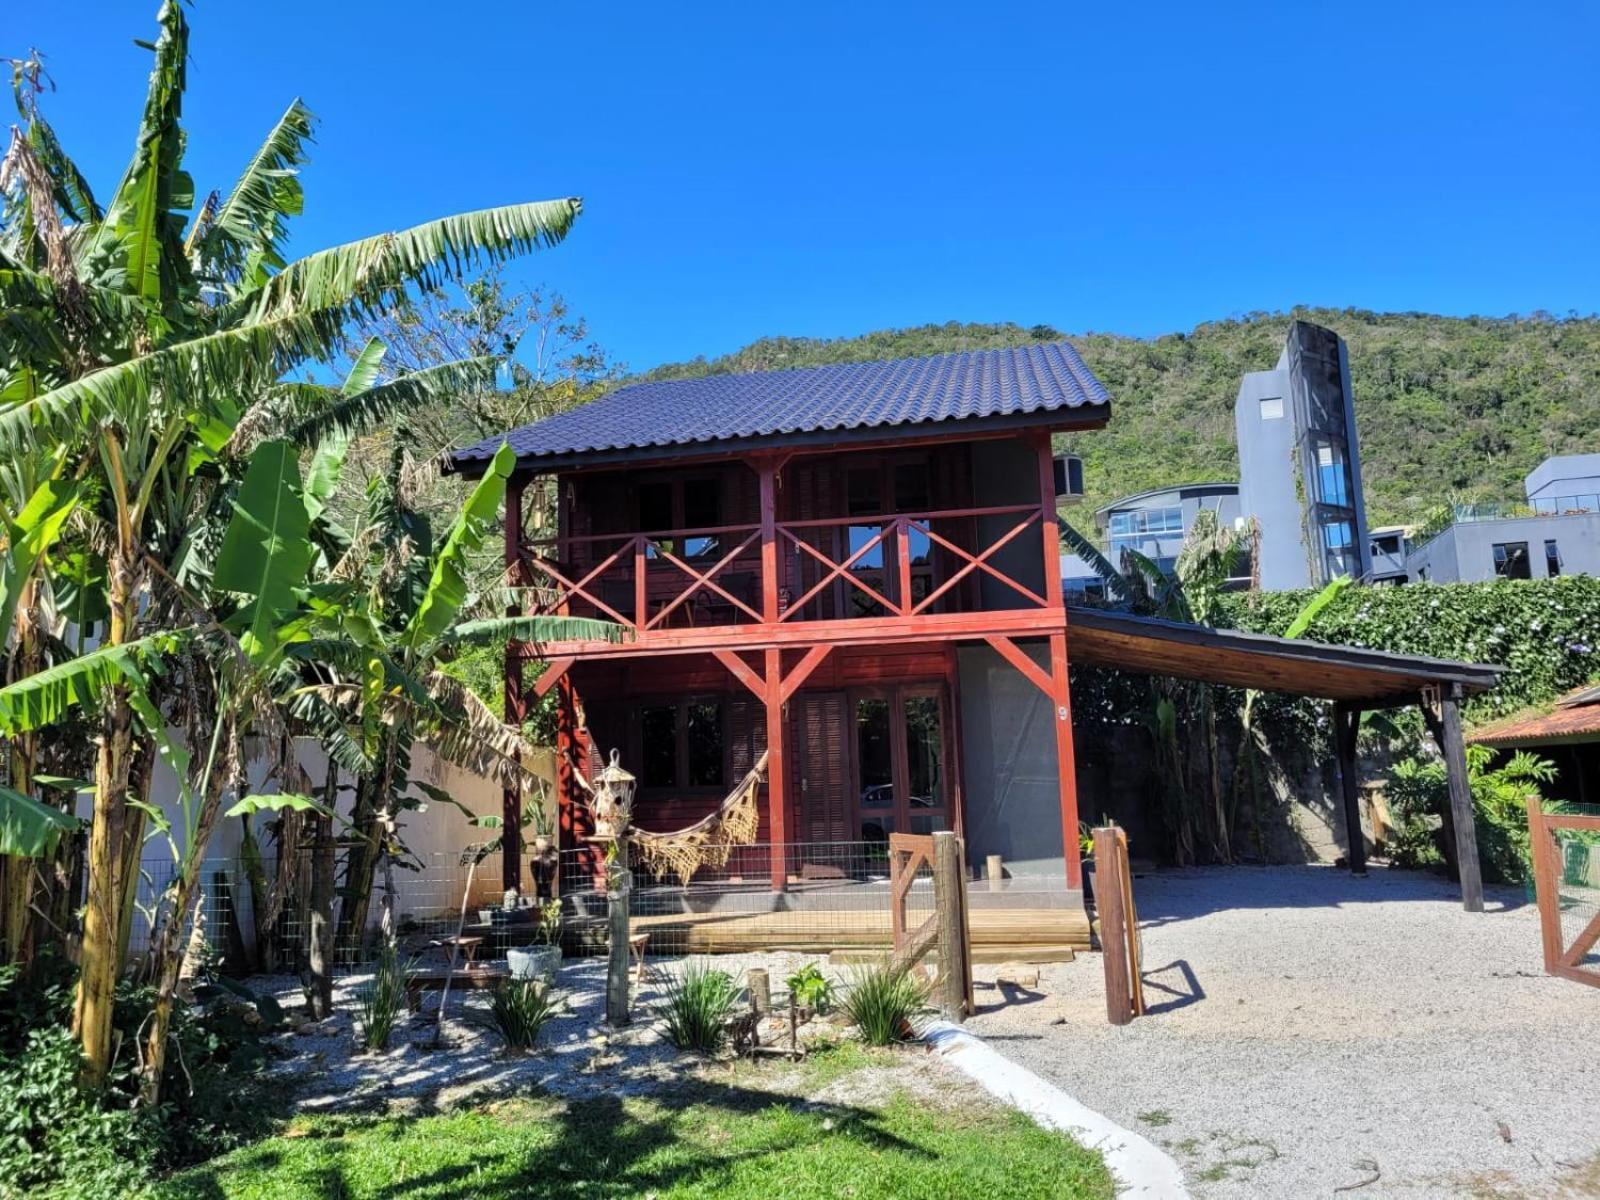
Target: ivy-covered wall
<point>1546,632</point>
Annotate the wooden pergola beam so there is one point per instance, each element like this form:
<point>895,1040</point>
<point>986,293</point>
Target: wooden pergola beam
<point>1441,712</point>
<point>1346,727</point>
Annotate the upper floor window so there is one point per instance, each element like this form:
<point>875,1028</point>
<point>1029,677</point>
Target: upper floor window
<point>1552,558</point>
<point>1511,560</point>
<point>689,503</point>
<point>1146,520</point>
<point>1272,408</point>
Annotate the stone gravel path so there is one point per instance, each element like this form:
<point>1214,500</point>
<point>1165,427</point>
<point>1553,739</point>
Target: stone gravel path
<point>1311,1032</point>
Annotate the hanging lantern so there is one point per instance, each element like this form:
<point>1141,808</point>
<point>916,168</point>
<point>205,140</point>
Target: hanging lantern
<point>613,799</point>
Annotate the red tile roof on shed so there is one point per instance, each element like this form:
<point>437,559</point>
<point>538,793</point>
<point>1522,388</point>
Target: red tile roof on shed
<point>1575,718</point>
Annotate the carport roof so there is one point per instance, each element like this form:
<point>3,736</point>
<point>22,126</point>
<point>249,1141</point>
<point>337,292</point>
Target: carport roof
<point>1353,674</point>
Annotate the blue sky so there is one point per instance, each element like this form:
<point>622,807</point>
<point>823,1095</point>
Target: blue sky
<point>826,170</point>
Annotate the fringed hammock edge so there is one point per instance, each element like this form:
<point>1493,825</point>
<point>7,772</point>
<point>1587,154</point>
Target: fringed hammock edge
<point>711,839</point>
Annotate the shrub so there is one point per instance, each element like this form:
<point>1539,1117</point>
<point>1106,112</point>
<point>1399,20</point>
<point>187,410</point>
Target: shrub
<point>811,988</point>
<point>519,1009</point>
<point>698,1004</point>
<point>1418,793</point>
<point>881,1004</point>
<point>549,923</point>
<point>383,998</point>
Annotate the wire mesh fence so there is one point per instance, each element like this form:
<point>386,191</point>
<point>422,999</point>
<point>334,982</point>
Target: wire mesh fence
<point>834,896</point>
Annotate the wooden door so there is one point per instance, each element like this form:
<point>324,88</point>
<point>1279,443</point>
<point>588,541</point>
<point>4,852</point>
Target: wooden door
<point>821,767</point>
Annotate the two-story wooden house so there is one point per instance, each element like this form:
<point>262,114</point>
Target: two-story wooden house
<point>855,567</point>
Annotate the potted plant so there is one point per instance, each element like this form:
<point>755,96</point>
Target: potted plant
<point>540,959</point>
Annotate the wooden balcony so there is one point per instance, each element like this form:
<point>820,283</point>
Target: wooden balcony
<point>834,580</point>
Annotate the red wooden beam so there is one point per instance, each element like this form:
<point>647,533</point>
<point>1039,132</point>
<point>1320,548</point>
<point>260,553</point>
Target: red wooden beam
<point>802,670</point>
<point>703,580</point>
<point>777,772</point>
<point>1066,762</point>
<point>552,675</point>
<point>1015,655</point>
<point>516,701</point>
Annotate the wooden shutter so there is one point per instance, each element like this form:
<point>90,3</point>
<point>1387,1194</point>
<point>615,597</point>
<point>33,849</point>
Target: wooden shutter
<point>820,766</point>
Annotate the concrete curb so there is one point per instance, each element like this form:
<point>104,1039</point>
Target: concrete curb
<point>1140,1168</point>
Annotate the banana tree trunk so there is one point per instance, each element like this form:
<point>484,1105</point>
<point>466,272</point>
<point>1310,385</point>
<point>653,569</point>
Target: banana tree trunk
<point>359,866</point>
<point>102,918</point>
<point>19,872</point>
<point>167,952</point>
<point>131,868</point>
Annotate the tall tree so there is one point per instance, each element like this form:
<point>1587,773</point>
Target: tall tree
<point>139,336</point>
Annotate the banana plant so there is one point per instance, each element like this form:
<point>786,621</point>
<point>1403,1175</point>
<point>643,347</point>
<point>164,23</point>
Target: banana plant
<point>138,335</point>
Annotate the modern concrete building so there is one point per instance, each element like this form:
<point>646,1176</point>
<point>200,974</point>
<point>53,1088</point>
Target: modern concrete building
<point>1388,548</point>
<point>1299,463</point>
<point>1155,524</point>
<point>1555,531</point>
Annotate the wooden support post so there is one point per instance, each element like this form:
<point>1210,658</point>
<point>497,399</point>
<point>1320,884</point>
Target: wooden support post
<point>1066,761</point>
<point>1461,831</point>
<point>767,472</point>
<point>994,868</point>
<point>954,954</point>
<point>516,697</point>
<point>1346,725</point>
<point>1108,901</point>
<point>777,772</point>
<point>619,885</point>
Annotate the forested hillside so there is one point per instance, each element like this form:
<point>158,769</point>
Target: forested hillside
<point>1446,406</point>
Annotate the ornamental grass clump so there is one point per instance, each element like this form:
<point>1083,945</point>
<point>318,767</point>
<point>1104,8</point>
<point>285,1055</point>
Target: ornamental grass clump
<point>383,999</point>
<point>881,1003</point>
<point>519,1009</point>
<point>699,1002</point>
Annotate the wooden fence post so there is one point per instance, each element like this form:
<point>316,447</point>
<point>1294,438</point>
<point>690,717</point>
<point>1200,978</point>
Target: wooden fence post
<point>1546,884</point>
<point>948,904</point>
<point>1108,893</point>
<point>618,887</point>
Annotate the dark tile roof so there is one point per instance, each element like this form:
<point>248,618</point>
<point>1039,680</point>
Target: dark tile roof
<point>788,407</point>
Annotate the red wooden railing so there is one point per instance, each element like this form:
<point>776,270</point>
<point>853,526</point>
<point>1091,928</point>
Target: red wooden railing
<point>645,582</point>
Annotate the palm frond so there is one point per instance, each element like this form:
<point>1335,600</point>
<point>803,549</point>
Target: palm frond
<point>494,631</point>
<point>1102,566</point>
<point>352,415</point>
<point>466,732</point>
<point>248,226</point>
<point>216,366</point>
<point>362,276</point>
<point>139,241</point>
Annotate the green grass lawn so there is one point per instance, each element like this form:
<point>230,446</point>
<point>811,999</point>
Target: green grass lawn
<point>711,1139</point>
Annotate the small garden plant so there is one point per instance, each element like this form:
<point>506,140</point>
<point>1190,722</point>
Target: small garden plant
<point>699,1002</point>
<point>519,1008</point>
<point>881,1004</point>
<point>548,928</point>
<point>383,999</point>
<point>812,989</point>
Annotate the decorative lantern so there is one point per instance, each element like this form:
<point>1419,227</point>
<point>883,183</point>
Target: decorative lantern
<point>613,799</point>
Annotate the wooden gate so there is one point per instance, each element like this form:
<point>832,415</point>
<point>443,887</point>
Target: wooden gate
<point>946,931</point>
<point>1566,873</point>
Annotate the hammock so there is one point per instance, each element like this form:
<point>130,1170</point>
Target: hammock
<point>711,839</point>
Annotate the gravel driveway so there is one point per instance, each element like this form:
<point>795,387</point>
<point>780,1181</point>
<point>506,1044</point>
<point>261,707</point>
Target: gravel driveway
<point>1310,1031</point>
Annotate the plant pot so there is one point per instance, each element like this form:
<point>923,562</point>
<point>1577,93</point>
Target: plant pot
<point>533,962</point>
<point>541,843</point>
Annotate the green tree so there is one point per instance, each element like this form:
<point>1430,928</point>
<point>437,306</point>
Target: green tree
<point>140,336</point>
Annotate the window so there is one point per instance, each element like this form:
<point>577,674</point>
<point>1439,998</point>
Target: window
<point>1272,408</point>
<point>704,737</point>
<point>682,504</point>
<point>658,729</point>
<point>1511,560</point>
<point>1552,558</point>
<point>681,745</point>
<point>1333,472</point>
<point>1146,520</point>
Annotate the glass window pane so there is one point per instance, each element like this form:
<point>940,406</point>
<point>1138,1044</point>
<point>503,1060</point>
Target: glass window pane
<point>1552,558</point>
<point>702,509</point>
<point>659,730</point>
<point>924,752</point>
<point>705,744</point>
<point>1271,408</point>
<point>911,487</point>
<point>859,536</point>
<point>874,753</point>
<point>1511,560</point>
<point>1333,475</point>
<point>862,493</point>
<point>655,506</point>
<point>920,547</point>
